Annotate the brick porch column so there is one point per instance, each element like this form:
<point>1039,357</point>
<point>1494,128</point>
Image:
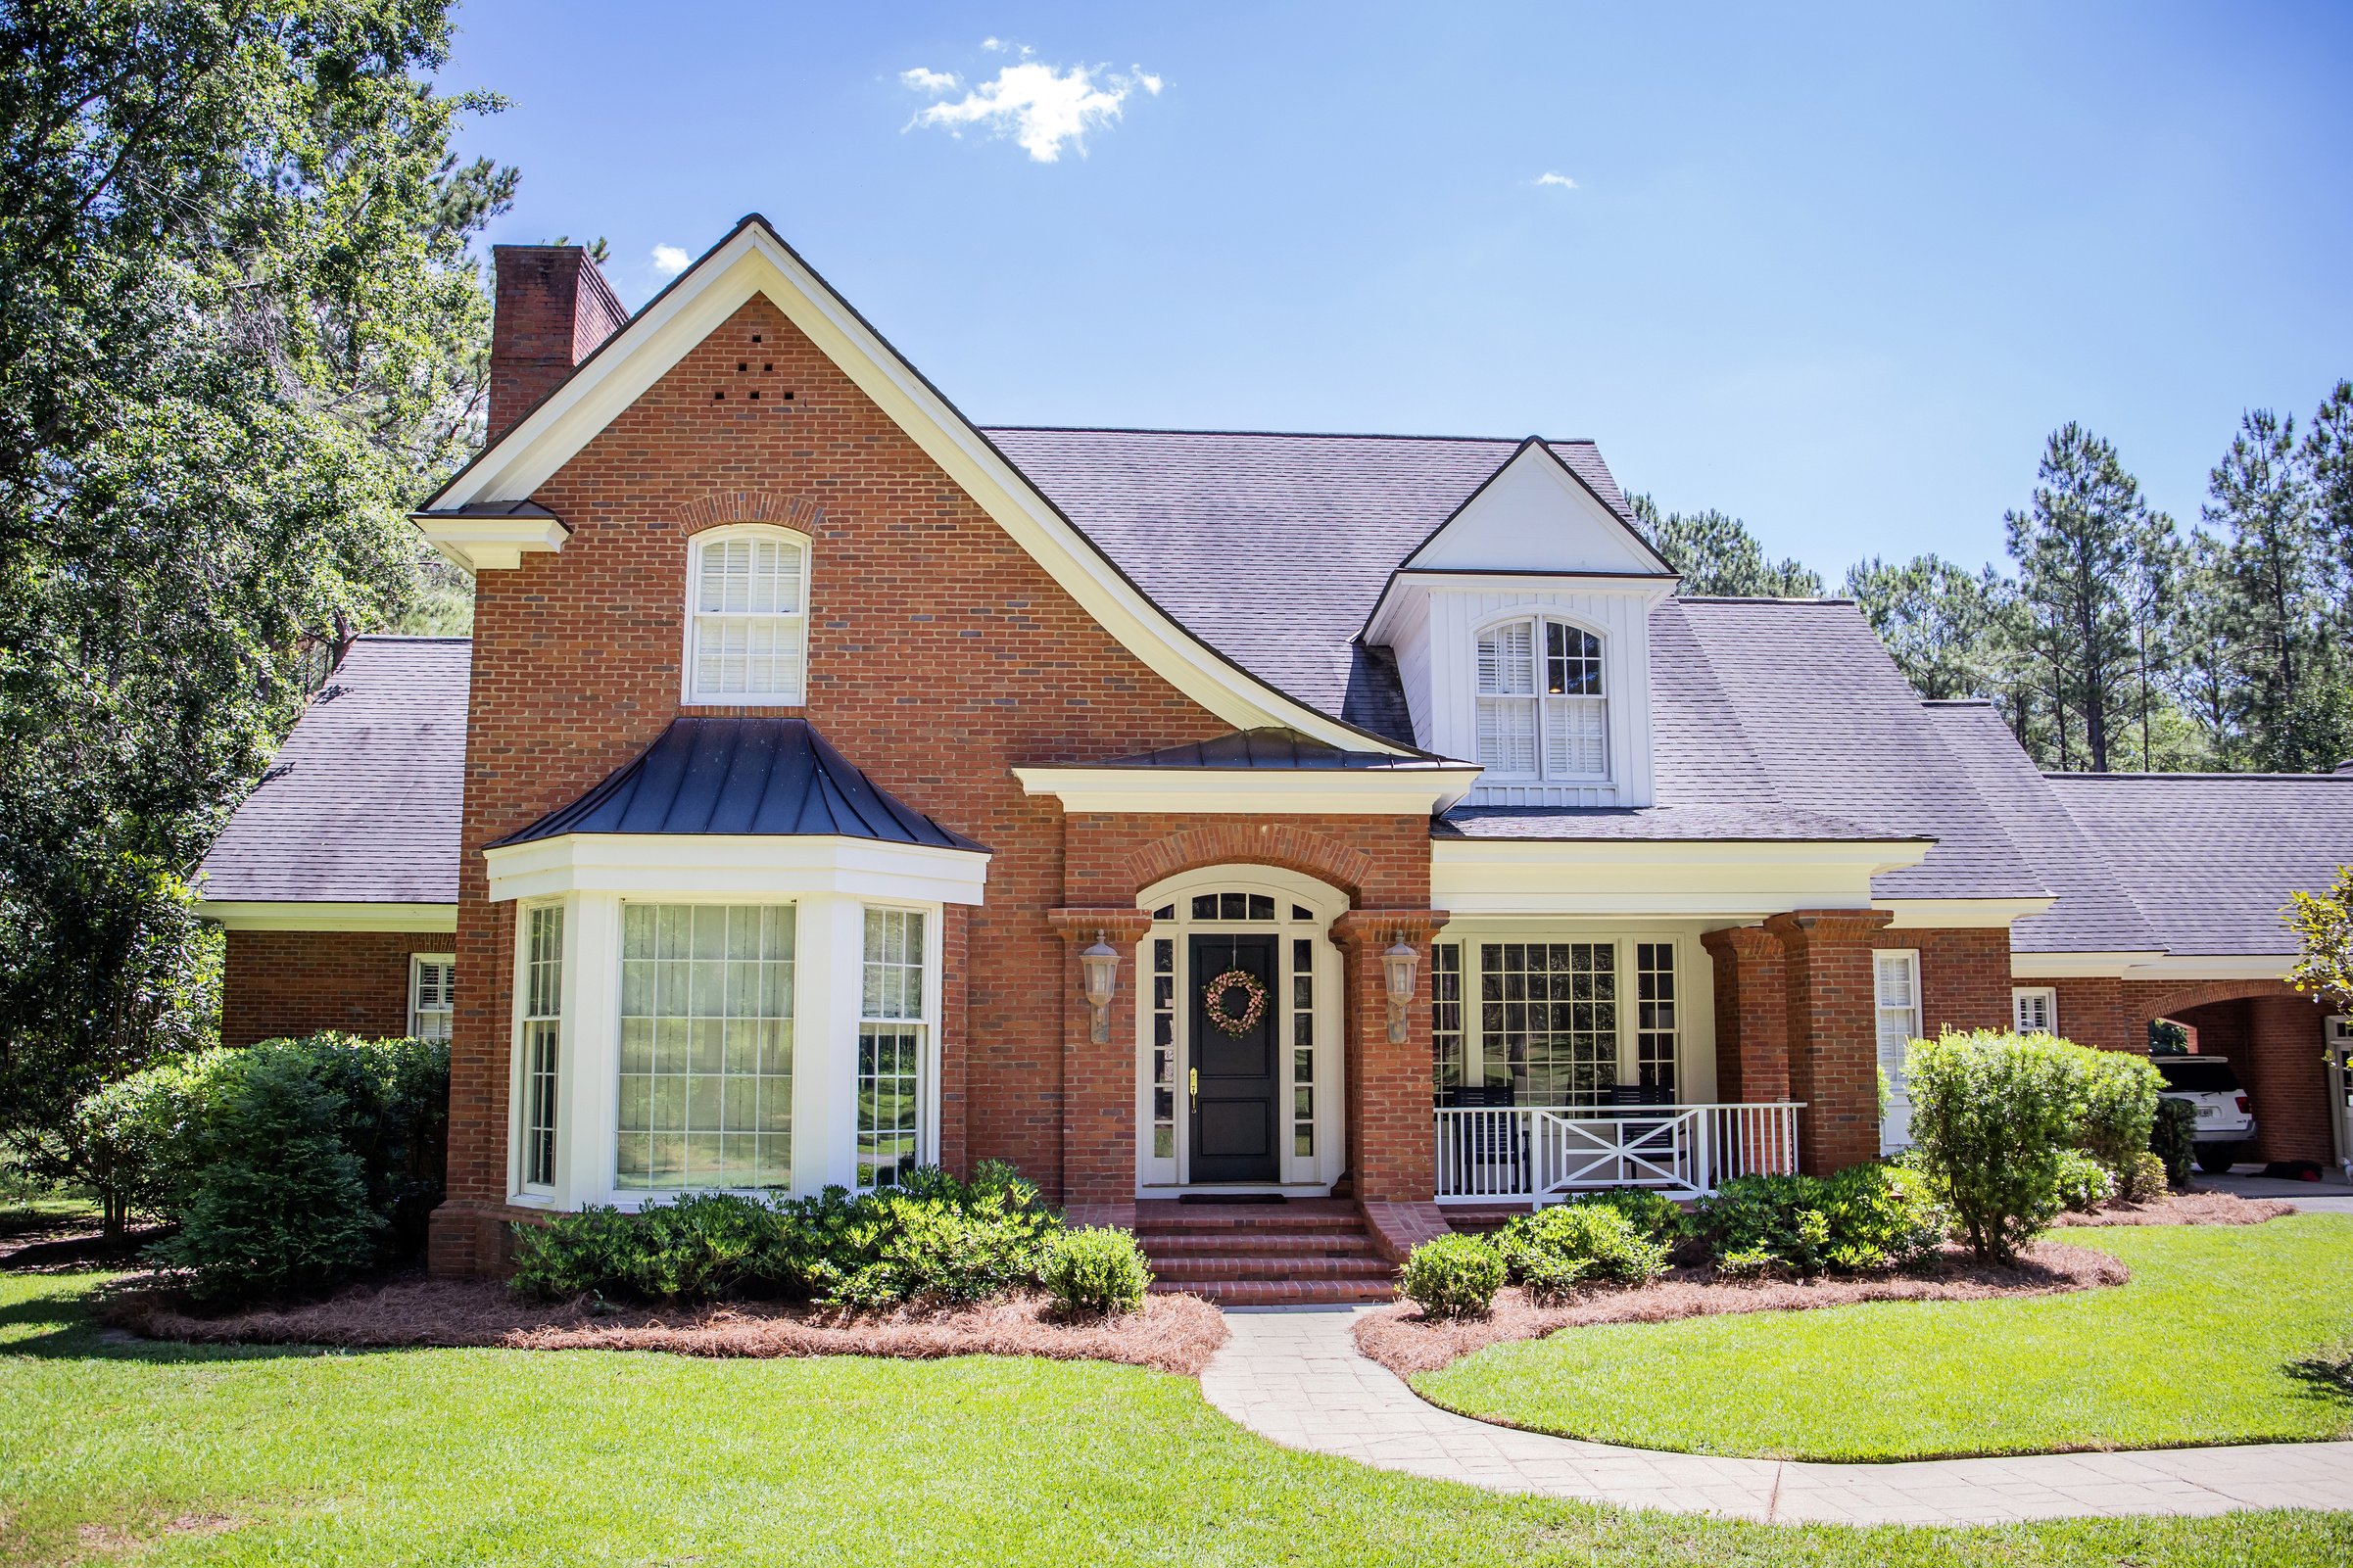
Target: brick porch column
<point>1391,1145</point>
<point>1098,1082</point>
<point>1833,1033</point>
<point>1751,1013</point>
<point>2287,1079</point>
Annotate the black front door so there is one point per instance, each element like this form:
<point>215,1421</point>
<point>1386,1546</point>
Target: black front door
<point>1233,1085</point>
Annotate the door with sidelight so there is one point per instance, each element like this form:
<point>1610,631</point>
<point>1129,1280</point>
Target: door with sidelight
<point>1233,1078</point>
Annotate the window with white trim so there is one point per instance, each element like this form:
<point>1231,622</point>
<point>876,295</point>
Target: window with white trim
<point>1548,1012</point>
<point>707,1047</point>
<point>2035,1009</point>
<point>543,1041</point>
<point>1542,713</point>
<point>432,982</point>
<point>891,1048</point>
<point>747,617</point>
<point>1895,988</point>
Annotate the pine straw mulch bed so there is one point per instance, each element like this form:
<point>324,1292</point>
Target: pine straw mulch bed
<point>1405,1342</point>
<point>1169,1333</point>
<point>2183,1209</point>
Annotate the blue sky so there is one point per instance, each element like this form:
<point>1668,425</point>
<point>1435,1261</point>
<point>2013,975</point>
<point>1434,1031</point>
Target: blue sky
<point>1836,270</point>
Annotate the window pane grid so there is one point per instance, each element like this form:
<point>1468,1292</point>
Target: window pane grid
<point>432,998</point>
<point>707,1047</point>
<point>1446,1015</point>
<point>1655,1027</point>
<point>891,1048</point>
<point>751,622</point>
<point>1541,716</point>
<point>1303,1046</point>
<point>542,1040</point>
<point>1551,1007</point>
<point>1163,1048</point>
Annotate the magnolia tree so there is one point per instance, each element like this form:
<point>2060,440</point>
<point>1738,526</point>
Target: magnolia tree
<point>2324,928</point>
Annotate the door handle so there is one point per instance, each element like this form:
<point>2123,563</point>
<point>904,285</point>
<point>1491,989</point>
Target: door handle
<point>1197,1088</point>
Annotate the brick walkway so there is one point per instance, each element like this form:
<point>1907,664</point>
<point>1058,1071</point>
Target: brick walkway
<point>1296,1377</point>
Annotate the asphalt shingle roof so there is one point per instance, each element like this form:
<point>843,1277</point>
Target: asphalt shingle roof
<point>2209,858</point>
<point>1272,549</point>
<point>361,803</point>
<point>2093,913</point>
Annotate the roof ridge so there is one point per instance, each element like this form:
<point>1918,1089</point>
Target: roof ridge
<point>2195,777</point>
<point>1760,598</point>
<point>410,636</point>
<point>1287,435</point>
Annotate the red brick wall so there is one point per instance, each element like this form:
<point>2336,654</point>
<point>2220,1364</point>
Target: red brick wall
<point>1751,1014</point>
<point>553,309</point>
<point>1965,977</point>
<point>277,984</point>
<point>2093,1013</point>
<point>940,656</point>
<point>1833,1033</point>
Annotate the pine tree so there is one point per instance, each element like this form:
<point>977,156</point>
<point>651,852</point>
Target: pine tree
<point>1938,621</point>
<point>2272,578</point>
<point>1717,556</point>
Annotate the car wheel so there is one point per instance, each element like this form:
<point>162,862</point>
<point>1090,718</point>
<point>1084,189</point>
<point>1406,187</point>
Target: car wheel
<point>2217,1159</point>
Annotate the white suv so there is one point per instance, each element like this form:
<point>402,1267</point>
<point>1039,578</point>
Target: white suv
<point>2226,1125</point>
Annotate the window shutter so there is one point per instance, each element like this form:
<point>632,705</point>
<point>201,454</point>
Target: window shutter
<point>1575,738</point>
<point>2032,1010</point>
<point>1507,666</point>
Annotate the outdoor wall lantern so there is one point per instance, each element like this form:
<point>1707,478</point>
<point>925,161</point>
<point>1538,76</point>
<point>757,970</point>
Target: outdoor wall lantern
<point>1397,966</point>
<point>1099,977</point>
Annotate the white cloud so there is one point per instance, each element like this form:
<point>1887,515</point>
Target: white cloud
<point>992,45</point>
<point>928,81</point>
<point>1561,180</point>
<point>1042,109</point>
<point>669,261</point>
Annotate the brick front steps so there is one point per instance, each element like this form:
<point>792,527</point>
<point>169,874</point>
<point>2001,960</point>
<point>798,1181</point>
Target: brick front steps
<point>1307,1252</point>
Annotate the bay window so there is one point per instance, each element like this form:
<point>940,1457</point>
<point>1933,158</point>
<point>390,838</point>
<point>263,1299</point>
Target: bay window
<point>541,1042</point>
<point>892,1046</point>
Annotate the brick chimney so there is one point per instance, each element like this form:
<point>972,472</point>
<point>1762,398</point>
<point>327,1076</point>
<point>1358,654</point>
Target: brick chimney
<point>554,308</point>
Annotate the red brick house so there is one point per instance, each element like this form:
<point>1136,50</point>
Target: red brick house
<point>832,785</point>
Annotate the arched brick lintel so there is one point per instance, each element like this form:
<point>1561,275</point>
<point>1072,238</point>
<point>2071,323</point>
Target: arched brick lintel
<point>1245,842</point>
<point>2153,1003</point>
<point>721,507</point>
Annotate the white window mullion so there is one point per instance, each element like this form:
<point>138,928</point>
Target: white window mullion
<point>1895,984</point>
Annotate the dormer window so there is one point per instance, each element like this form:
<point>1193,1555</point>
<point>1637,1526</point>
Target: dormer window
<point>747,616</point>
<point>1542,711</point>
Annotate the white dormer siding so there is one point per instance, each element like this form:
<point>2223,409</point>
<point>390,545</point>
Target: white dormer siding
<point>1534,548</point>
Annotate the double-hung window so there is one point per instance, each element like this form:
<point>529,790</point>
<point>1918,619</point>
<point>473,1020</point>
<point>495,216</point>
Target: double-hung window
<point>2035,1009</point>
<point>892,1042</point>
<point>747,621</point>
<point>432,988</point>
<point>1542,712</point>
<point>1895,984</point>
<point>543,1041</point>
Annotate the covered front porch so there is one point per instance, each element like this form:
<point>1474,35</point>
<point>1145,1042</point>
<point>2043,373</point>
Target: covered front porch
<point>1489,1154</point>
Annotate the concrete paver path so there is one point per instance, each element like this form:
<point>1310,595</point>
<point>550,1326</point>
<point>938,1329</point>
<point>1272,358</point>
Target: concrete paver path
<point>1296,1376</point>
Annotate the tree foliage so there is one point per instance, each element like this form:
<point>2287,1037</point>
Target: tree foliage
<point>1717,556</point>
<point>240,331</point>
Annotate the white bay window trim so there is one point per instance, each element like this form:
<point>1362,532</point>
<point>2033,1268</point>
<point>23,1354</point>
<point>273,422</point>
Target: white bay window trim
<point>747,616</point>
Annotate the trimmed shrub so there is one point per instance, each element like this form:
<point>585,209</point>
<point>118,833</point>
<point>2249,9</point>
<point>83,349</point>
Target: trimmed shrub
<point>2084,1182</point>
<point>1990,1113</point>
<point>1548,1276</point>
<point>596,1248</point>
<point>2144,1180</point>
<point>1654,1215</point>
<point>1867,1217</point>
<point>286,1167</point>
<point>2116,1108</point>
<point>2170,1137</point>
<point>1095,1269</point>
<point>1453,1276</point>
<point>1596,1236</point>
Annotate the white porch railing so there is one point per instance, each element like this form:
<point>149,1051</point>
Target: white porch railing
<point>1536,1155</point>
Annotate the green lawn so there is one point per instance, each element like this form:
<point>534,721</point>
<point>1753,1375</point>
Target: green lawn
<point>2195,1350</point>
<point>491,1457</point>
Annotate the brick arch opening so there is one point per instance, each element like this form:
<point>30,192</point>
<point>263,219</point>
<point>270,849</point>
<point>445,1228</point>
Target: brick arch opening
<point>721,507</point>
<point>2272,1034</point>
<point>1242,842</point>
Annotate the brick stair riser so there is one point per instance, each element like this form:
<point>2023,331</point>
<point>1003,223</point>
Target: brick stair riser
<point>1272,1269</point>
<point>1311,1245</point>
<point>1271,1293</point>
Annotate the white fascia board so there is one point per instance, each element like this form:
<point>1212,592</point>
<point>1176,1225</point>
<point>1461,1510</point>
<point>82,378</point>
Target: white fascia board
<point>2079,965</point>
<point>1409,587</point>
<point>1960,914</point>
<point>1712,880</point>
<point>756,261</point>
<point>2193,966</point>
<point>1337,791</point>
<point>490,543</point>
<point>302,915</point>
<point>754,866</point>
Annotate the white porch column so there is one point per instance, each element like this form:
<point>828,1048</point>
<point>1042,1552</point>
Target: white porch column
<point>829,950</point>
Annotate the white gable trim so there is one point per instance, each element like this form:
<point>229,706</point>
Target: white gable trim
<point>754,260</point>
<point>302,915</point>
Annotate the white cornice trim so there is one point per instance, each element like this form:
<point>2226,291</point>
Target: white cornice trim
<point>1732,881</point>
<point>490,543</point>
<point>2078,966</point>
<point>302,915</point>
<point>2215,967</point>
<point>762,866</point>
<point>753,260</point>
<point>1419,790</point>
<point>1960,914</point>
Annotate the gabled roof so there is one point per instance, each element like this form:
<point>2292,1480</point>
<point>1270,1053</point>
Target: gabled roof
<point>753,260</point>
<point>2093,913</point>
<point>2210,858</point>
<point>1274,548</point>
<point>776,777</point>
<point>1619,545</point>
<point>361,803</point>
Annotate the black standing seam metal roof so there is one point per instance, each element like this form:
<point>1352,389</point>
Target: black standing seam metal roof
<point>744,776</point>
